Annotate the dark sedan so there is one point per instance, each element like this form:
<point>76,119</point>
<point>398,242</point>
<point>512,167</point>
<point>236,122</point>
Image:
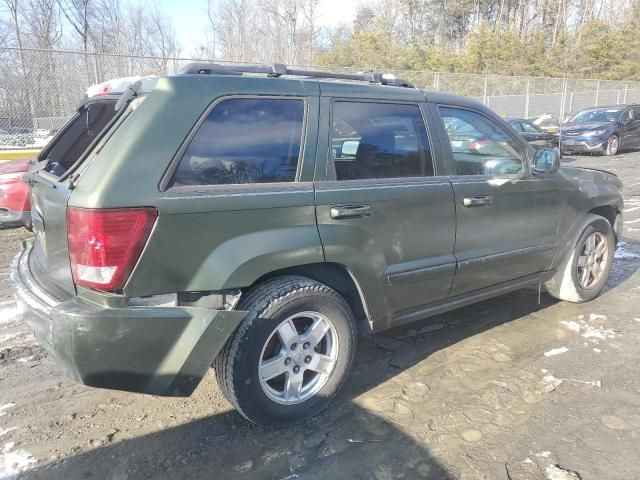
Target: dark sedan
<point>534,134</point>
<point>602,130</point>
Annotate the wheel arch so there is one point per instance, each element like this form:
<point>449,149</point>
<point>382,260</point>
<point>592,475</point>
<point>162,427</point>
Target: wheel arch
<point>336,276</point>
<point>611,213</point>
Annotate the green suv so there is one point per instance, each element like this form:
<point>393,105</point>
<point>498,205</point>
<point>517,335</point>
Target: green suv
<point>258,219</point>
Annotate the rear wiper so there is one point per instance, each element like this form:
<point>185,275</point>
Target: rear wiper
<point>128,95</point>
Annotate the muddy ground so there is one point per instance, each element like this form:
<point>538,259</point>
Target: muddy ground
<point>506,389</point>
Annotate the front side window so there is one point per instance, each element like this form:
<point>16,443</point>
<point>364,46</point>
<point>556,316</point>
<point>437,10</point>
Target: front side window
<point>379,140</point>
<point>517,126</point>
<point>244,140</point>
<point>479,146</point>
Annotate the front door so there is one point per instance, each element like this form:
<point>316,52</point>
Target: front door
<point>383,210</point>
<point>631,127</point>
<point>506,217</point>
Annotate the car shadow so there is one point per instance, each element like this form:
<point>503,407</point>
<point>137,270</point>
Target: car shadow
<point>346,441</point>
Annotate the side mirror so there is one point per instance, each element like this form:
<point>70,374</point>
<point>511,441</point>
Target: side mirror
<point>546,160</point>
<point>349,148</point>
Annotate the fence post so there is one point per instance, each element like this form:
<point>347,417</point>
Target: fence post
<point>597,92</point>
<point>563,99</point>
<point>95,68</point>
<point>526,101</point>
<point>486,86</point>
<point>626,87</point>
<point>571,102</point>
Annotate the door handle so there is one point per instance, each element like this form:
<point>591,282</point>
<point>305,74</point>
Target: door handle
<point>477,201</point>
<point>351,211</point>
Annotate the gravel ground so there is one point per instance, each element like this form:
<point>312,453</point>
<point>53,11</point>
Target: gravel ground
<point>511,388</point>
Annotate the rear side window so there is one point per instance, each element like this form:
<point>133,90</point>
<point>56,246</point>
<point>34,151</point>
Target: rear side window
<point>244,140</point>
<point>379,140</point>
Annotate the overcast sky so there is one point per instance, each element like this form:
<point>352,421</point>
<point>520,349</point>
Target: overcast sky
<point>190,19</point>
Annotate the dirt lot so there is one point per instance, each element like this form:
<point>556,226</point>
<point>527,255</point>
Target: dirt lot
<point>506,389</point>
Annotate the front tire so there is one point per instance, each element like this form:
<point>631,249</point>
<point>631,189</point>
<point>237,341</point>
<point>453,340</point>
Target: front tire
<point>584,273</point>
<point>291,354</point>
<point>613,145</point>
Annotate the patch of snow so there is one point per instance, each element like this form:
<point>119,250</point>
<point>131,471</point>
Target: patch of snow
<point>556,351</point>
<point>598,332</point>
<point>13,461</point>
<point>4,407</point>
<point>8,315</point>
<point>597,350</point>
<point>595,316</point>
<point>571,325</point>
<point>527,460</point>
<point>26,359</point>
<point>554,472</point>
<point>633,221</point>
<point>4,431</point>
<point>632,209</point>
<point>8,336</point>
<point>550,384</point>
<point>543,454</point>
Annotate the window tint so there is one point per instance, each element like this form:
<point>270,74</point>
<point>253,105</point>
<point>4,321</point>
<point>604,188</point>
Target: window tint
<point>244,140</point>
<point>479,146</point>
<point>379,140</point>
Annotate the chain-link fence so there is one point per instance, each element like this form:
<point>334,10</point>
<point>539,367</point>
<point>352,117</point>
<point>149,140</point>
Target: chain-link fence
<point>40,89</point>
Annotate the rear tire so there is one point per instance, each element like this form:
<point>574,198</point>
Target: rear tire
<point>298,329</point>
<point>584,273</point>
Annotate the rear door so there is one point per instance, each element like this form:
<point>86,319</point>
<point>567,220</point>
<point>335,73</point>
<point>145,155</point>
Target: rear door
<point>506,217</point>
<point>384,209</point>
<point>50,191</point>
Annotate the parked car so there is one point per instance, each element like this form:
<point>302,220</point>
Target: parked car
<point>547,122</point>
<point>534,134</point>
<point>15,209</point>
<point>260,222</point>
<point>603,130</point>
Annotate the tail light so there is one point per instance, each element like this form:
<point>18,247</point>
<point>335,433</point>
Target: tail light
<point>105,244</point>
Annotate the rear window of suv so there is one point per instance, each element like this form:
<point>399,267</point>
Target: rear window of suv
<point>78,134</point>
<point>244,140</point>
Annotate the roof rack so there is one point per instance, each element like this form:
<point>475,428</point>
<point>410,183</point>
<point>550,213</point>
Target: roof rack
<point>278,69</point>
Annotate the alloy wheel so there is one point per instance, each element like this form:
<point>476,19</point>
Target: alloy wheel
<point>592,260</point>
<point>298,358</point>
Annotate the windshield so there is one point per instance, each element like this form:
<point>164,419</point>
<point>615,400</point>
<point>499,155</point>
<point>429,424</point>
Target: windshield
<point>599,115</point>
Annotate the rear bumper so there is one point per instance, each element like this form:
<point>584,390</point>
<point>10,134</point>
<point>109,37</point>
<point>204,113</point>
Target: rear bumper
<point>155,350</point>
<point>10,218</point>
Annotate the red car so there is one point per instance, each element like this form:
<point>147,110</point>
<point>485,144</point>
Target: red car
<point>15,209</point>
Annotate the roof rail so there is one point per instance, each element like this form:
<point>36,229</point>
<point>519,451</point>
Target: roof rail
<point>278,69</point>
